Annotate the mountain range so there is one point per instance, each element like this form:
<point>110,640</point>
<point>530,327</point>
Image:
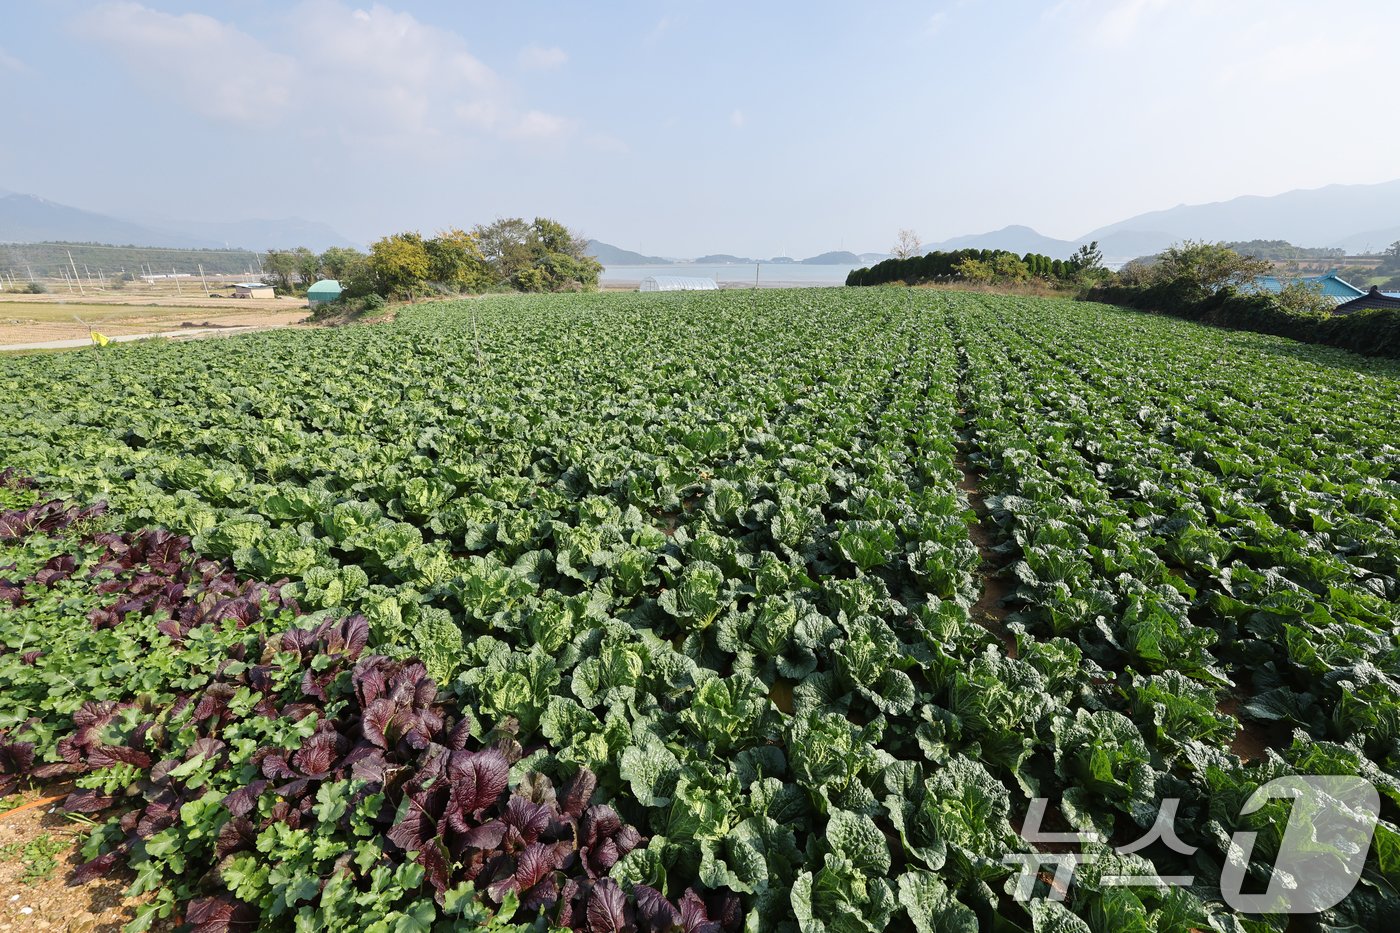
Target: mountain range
<point>25,218</point>
<point>1356,218</point>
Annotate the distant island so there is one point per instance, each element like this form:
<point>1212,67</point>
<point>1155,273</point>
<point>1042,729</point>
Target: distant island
<point>610,255</point>
<point>834,258</point>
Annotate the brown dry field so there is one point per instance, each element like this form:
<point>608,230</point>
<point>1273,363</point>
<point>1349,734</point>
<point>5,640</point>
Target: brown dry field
<point>136,309</point>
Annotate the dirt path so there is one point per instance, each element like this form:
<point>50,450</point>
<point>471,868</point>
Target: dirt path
<point>192,333</point>
<point>990,610</point>
<point>38,849</point>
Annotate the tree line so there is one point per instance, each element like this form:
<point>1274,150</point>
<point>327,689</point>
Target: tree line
<point>981,265</point>
<point>510,254</point>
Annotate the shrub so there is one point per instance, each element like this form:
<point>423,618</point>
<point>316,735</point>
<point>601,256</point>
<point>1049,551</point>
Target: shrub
<point>1194,270</point>
<point>1301,297</point>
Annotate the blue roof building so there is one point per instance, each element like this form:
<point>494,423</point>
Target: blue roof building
<point>1333,287</point>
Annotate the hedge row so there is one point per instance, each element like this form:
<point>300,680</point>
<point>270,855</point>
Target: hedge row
<point>938,264</point>
<point>1373,333</point>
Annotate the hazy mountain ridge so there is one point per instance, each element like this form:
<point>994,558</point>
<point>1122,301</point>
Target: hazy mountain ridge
<point>610,255</point>
<point>1306,217</point>
<point>25,218</point>
<point>1352,217</point>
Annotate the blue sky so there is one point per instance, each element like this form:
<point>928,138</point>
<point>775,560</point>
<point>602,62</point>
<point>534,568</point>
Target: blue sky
<point>680,128</point>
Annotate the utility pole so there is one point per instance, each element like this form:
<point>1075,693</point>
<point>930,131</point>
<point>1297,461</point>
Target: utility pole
<point>203,281</point>
<point>67,281</point>
<point>30,270</point>
<point>178,290</point>
<point>75,273</point>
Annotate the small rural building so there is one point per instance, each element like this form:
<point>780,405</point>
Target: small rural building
<point>1375,298</point>
<point>324,291</point>
<point>253,290</point>
<point>1333,287</point>
<point>677,283</point>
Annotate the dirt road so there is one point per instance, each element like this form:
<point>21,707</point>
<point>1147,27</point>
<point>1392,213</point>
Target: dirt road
<point>40,320</point>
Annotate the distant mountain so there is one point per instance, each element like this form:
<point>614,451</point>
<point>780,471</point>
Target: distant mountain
<point>834,258</point>
<point>25,218</point>
<point>610,255</point>
<point>1372,241</point>
<point>1350,216</point>
<point>1017,239</point>
<point>718,259</point>
<point>1356,218</point>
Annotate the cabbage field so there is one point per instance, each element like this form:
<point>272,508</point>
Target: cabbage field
<point>828,610</point>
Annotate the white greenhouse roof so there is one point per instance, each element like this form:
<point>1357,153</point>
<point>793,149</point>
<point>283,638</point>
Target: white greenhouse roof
<point>677,283</point>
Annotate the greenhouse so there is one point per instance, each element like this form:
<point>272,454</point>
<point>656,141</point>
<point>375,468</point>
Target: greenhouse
<point>677,283</point>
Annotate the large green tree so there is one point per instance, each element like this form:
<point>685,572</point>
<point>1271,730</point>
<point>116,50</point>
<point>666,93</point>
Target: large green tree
<point>399,264</point>
<point>339,262</point>
<point>455,261</point>
<point>503,244</point>
<point>280,270</point>
<point>291,270</point>
<point>542,255</point>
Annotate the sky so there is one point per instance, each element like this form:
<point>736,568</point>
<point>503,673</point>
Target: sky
<point>681,128</point>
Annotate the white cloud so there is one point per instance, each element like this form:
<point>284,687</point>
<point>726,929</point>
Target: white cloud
<point>218,70</point>
<point>936,22</point>
<point>372,75</point>
<point>542,58</point>
<point>737,119</point>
